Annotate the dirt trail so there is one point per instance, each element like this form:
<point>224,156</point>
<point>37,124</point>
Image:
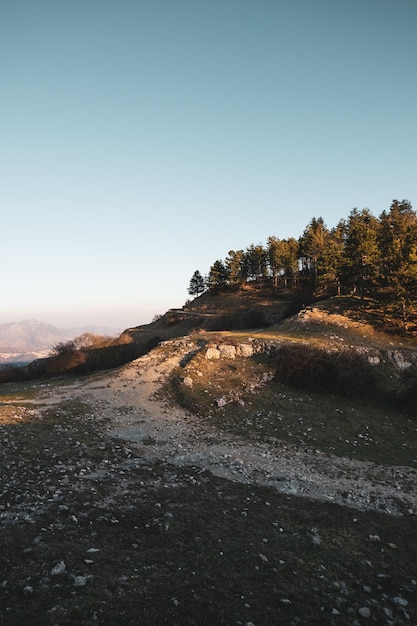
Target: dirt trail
<point>125,400</point>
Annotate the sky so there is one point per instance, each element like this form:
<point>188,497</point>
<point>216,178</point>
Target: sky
<point>144,139</point>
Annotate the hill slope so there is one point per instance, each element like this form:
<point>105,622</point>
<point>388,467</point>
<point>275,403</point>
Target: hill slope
<point>194,482</point>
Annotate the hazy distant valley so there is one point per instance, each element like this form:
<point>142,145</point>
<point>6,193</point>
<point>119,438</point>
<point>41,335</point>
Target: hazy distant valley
<point>22,342</point>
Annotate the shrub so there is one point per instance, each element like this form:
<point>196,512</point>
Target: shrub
<point>407,392</point>
<point>346,372</point>
<point>65,358</point>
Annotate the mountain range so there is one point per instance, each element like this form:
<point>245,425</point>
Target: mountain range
<point>31,339</point>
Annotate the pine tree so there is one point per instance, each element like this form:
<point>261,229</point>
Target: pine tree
<point>218,276</point>
<point>257,261</point>
<point>235,268</point>
<point>332,260</point>
<point>312,244</point>
<point>283,260</point>
<point>197,284</point>
<point>398,248</point>
<point>362,255</point>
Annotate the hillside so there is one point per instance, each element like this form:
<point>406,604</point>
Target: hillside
<point>227,475</point>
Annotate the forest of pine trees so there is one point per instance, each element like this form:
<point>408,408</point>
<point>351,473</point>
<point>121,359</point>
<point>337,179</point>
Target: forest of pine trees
<point>363,255</point>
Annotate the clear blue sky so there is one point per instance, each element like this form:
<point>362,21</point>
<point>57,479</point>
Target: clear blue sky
<point>142,140</point>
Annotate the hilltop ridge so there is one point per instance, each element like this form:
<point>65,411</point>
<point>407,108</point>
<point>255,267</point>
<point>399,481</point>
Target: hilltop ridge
<point>251,445</point>
<point>254,308</point>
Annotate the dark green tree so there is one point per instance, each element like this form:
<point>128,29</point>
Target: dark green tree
<point>257,262</point>
<point>197,284</point>
<point>290,262</point>
<point>312,244</point>
<point>396,226</point>
<point>362,255</point>
<point>398,248</point>
<point>275,259</point>
<point>235,267</point>
<point>332,260</point>
<point>283,260</point>
<point>218,277</point>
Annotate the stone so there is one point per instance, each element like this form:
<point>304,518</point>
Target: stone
<point>212,353</point>
<point>227,351</point>
<point>364,612</point>
<point>187,381</point>
<point>60,568</point>
<point>245,350</point>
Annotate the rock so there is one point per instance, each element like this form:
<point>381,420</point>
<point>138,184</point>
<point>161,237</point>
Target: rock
<point>212,353</point>
<point>364,612</point>
<point>187,381</point>
<point>221,402</point>
<point>80,581</point>
<point>244,350</point>
<point>60,568</point>
<point>227,352</point>
<point>399,360</point>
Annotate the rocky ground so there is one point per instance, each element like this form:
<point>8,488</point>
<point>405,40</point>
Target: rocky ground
<point>129,402</point>
<point>117,508</point>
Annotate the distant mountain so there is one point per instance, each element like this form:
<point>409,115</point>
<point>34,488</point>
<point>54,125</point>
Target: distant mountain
<point>105,331</point>
<point>31,339</point>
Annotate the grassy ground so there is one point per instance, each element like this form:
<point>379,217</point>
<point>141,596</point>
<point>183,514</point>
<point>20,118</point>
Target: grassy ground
<point>93,535</point>
<point>242,396</point>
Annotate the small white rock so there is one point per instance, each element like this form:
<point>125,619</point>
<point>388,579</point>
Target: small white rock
<point>60,568</point>
<point>364,612</point>
<point>212,353</point>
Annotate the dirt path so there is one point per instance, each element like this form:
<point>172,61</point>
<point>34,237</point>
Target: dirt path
<point>126,401</point>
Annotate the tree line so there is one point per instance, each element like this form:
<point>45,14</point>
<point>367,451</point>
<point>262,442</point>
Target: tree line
<point>363,255</point>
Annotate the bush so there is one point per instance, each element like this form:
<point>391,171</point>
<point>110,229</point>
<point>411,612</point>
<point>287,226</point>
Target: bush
<point>407,392</point>
<point>65,357</point>
<point>345,373</point>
